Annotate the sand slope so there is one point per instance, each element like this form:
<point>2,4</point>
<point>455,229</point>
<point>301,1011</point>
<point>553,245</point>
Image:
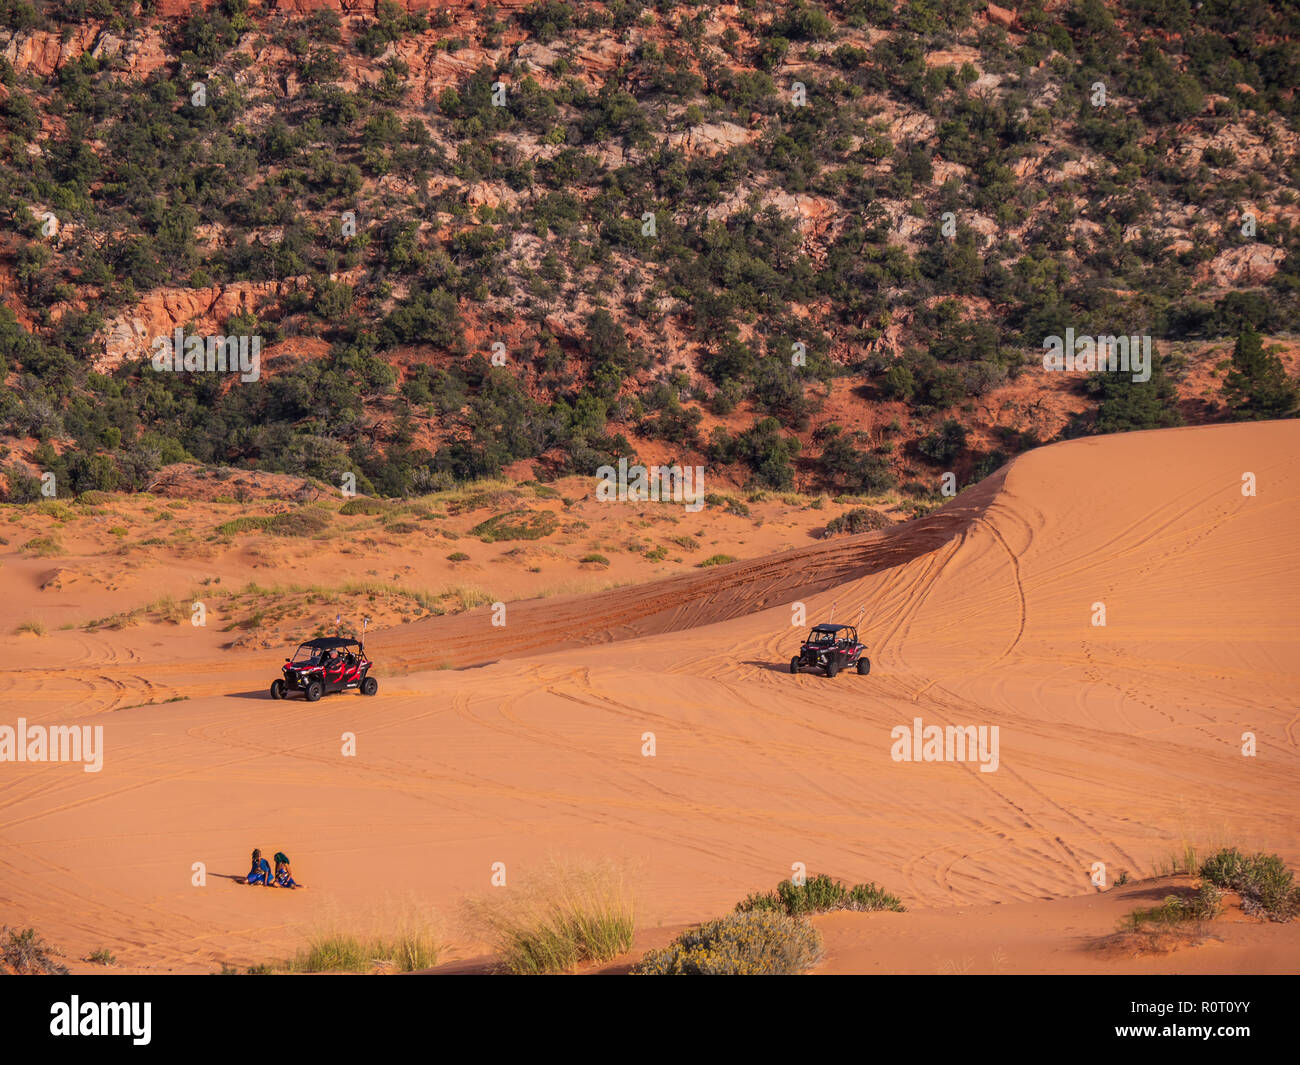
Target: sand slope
<point>1116,743</point>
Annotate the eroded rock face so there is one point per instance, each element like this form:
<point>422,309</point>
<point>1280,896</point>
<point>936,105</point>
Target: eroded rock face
<point>1249,264</point>
<point>131,335</point>
<point>180,8</point>
<point>1000,16</point>
<point>41,54</point>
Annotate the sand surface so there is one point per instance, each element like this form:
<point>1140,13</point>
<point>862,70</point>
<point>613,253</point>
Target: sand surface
<point>1117,744</point>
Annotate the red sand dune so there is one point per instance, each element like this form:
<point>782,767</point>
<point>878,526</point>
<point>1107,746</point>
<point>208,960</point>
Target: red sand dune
<point>1116,742</point>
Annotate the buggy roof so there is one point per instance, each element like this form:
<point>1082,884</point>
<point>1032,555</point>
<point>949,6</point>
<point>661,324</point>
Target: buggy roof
<point>324,643</point>
<point>830,628</point>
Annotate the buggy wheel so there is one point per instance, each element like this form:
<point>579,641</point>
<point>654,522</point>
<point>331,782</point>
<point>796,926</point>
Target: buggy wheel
<point>369,686</point>
<point>277,688</point>
<point>794,665</point>
<point>832,666</point>
<point>864,666</point>
<point>314,691</point>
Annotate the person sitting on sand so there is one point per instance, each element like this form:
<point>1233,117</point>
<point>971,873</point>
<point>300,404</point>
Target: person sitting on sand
<point>260,872</point>
<point>283,874</point>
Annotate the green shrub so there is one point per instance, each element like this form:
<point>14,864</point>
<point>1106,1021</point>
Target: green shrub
<point>944,444</point>
<point>820,894</point>
<point>516,525</point>
<point>362,505</point>
<point>1264,882</point>
<point>458,556</point>
<point>1224,867</point>
<point>599,560</point>
<point>858,520</point>
<point>1202,906</point>
<point>740,944</point>
<point>718,560</point>
<point>52,508</point>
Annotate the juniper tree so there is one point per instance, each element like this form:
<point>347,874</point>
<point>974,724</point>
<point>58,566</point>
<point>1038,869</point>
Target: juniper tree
<point>1257,385</point>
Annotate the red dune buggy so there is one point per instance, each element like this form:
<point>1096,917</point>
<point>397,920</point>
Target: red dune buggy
<point>329,664</point>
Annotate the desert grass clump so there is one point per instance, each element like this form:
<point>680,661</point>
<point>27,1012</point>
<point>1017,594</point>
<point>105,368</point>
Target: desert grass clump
<point>479,495</point>
<point>718,560</point>
<point>1263,881</point>
<point>340,953</point>
<point>564,914</point>
<point>26,953</point>
<point>411,948</point>
<point>306,522</point>
<point>35,627</point>
<point>43,546</point>
<point>755,943</point>
<point>1184,863</point>
<point>820,894</point>
<point>729,504</point>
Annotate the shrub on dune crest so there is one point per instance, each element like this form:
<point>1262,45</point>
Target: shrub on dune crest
<point>820,894</point>
<point>26,952</point>
<point>1264,882</point>
<point>858,520</point>
<point>567,913</point>
<point>755,943</point>
<point>1202,906</point>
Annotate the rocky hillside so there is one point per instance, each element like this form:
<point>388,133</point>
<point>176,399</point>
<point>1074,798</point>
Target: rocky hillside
<point>816,245</point>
